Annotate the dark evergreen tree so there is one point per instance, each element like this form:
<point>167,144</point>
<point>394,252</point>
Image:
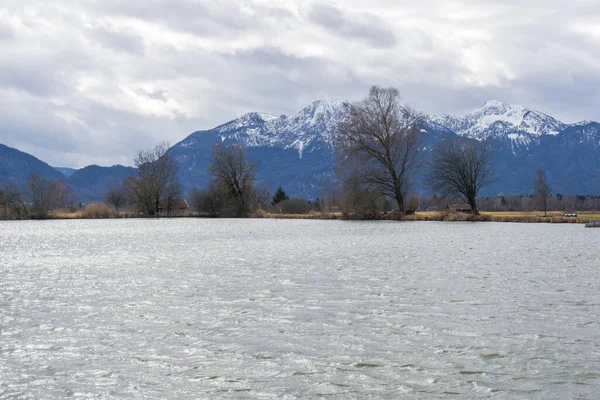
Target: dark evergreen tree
<point>280,195</point>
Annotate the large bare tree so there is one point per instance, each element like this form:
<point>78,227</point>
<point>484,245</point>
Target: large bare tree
<point>379,144</point>
<point>541,189</point>
<point>231,170</point>
<point>155,181</point>
<point>461,167</point>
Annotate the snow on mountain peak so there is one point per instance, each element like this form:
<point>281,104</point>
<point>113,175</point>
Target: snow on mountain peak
<point>501,120</point>
<point>303,131</point>
<point>494,104</point>
<point>315,126</point>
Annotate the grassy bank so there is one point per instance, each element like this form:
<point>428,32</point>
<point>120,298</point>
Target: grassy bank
<point>516,217</point>
<point>529,217</point>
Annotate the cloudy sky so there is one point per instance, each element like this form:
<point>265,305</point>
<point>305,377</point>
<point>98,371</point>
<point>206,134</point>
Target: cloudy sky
<point>92,81</point>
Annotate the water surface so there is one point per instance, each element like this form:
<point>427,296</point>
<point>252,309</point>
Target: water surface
<point>194,308</point>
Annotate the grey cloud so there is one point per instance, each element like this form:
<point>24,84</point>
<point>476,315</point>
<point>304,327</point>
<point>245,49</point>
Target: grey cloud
<point>269,56</point>
<point>327,16</point>
<point>367,27</point>
<point>272,75</point>
<point>33,122</point>
<point>573,98</point>
<point>117,84</point>
<point>37,80</point>
<point>200,18</point>
<point>6,32</point>
<point>118,40</point>
<point>108,137</point>
<point>157,95</point>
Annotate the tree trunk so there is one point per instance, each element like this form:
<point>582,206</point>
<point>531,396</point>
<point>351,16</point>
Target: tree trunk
<point>473,205</point>
<point>400,201</point>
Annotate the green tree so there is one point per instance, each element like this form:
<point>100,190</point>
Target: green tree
<point>280,195</point>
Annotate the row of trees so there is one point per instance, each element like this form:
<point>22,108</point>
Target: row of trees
<point>232,190</point>
<point>379,155</point>
<point>551,202</point>
<point>155,184</point>
<point>37,199</point>
<point>380,152</point>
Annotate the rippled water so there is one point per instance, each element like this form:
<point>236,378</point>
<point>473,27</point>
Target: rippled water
<point>192,308</point>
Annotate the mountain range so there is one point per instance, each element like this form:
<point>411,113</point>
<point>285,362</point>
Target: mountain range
<point>296,151</point>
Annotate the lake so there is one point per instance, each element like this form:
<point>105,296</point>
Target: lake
<point>202,308</point>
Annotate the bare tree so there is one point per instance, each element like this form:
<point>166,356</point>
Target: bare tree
<point>172,193</point>
<point>116,196</point>
<point>379,142</point>
<point>262,196</point>
<point>209,202</point>
<point>541,189</point>
<point>329,192</point>
<point>40,193</point>
<point>63,196</point>
<point>358,201</point>
<point>3,204</point>
<point>461,167</point>
<point>155,180</point>
<point>231,170</point>
<point>14,202</point>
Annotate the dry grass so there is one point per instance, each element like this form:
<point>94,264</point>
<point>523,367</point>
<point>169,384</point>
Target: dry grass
<point>103,211</point>
<point>65,214</point>
<point>311,215</point>
<point>513,216</point>
<point>447,216</point>
<point>551,217</point>
<point>97,211</point>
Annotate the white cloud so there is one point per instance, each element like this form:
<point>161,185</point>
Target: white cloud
<point>92,82</point>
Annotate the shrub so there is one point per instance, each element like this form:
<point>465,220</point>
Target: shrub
<point>208,202</point>
<point>96,211</point>
<point>295,205</point>
<point>360,203</point>
<point>459,217</point>
<point>260,213</point>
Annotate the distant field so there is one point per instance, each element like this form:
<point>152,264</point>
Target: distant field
<point>518,216</point>
<point>509,216</point>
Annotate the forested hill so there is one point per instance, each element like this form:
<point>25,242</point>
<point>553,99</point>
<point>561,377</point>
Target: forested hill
<point>16,166</point>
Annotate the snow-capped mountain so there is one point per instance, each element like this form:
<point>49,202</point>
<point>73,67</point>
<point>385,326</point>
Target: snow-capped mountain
<point>296,151</point>
<point>517,125</point>
<point>483,122</point>
<point>304,132</point>
<point>315,125</point>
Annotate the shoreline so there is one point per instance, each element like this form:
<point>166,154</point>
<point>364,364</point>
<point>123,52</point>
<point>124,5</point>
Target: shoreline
<point>486,216</point>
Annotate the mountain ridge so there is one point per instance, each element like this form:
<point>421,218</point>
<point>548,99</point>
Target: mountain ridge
<point>518,132</point>
<point>296,151</point>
